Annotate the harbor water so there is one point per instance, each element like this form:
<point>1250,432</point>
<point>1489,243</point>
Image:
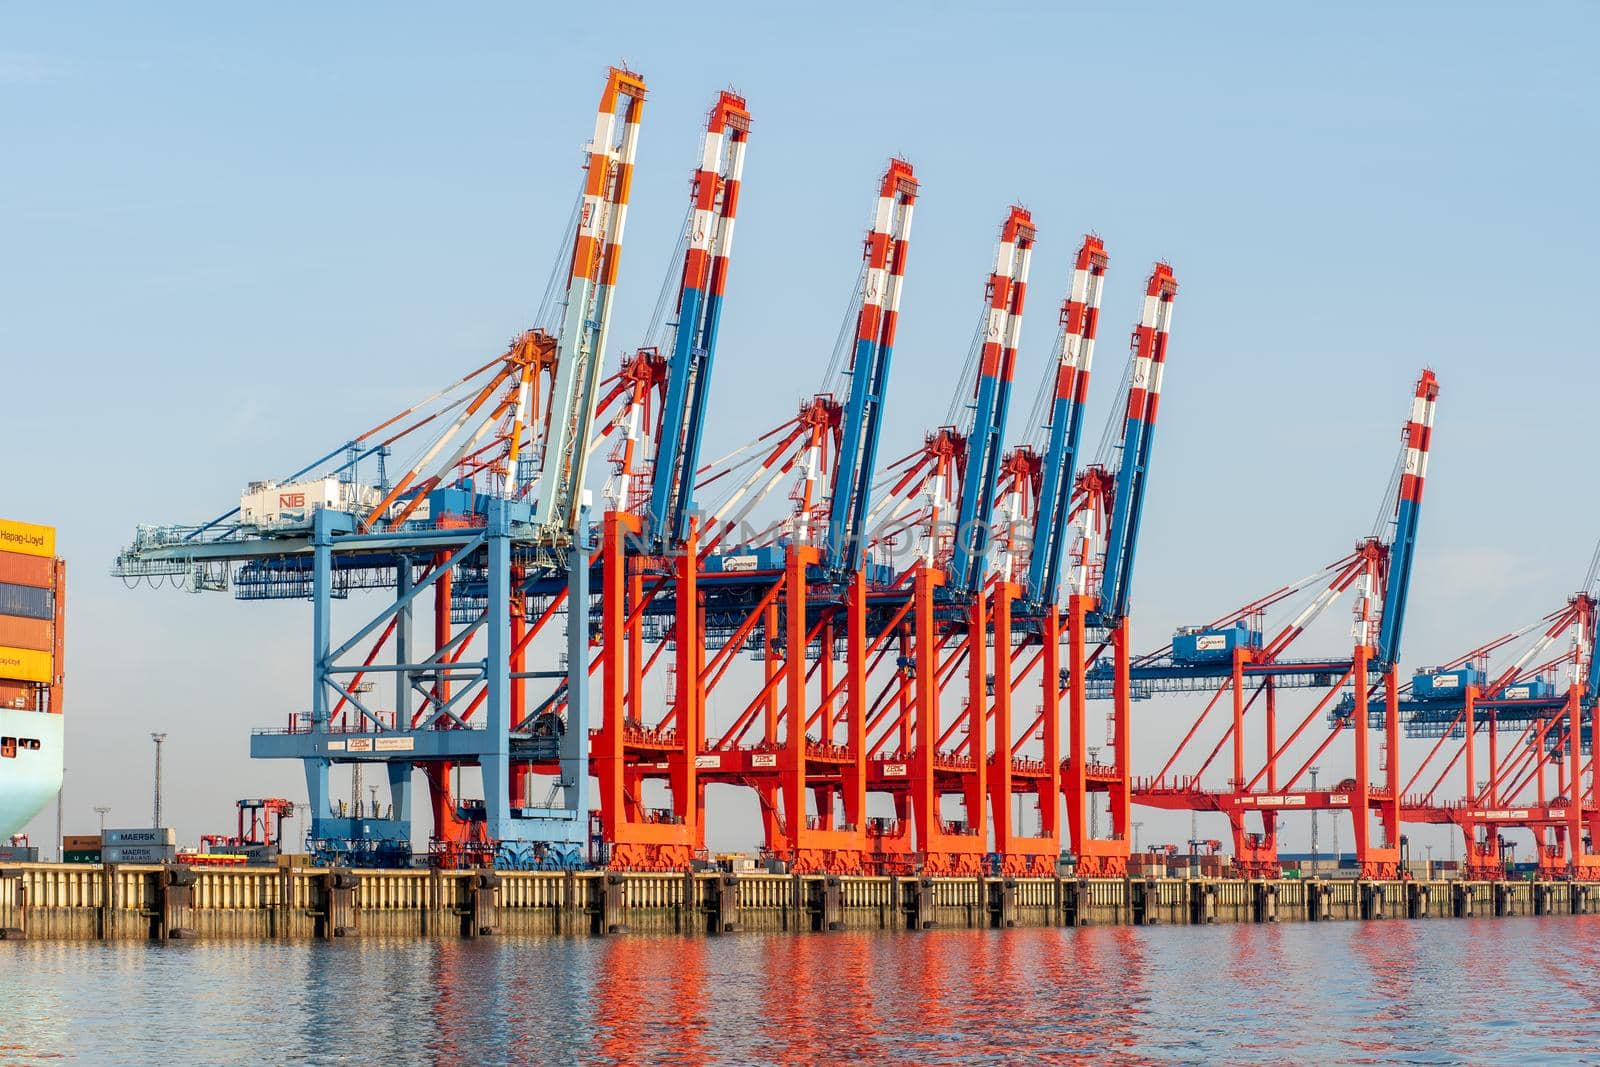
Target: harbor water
<point>1477,991</point>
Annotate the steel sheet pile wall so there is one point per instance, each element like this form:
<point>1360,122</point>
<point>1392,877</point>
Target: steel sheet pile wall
<point>84,902</point>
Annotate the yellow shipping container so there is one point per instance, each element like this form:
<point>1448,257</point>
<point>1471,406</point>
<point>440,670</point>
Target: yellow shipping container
<point>27,538</point>
<point>26,665</point>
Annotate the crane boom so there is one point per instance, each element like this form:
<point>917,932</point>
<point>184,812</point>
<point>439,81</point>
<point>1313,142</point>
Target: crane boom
<point>1592,675</point>
<point>591,280</point>
<point>705,275</point>
<point>885,255</point>
<point>1138,429</point>
<point>1006,291</point>
<point>1408,509</point>
<point>1080,318</point>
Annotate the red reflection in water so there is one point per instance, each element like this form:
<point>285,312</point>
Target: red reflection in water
<point>1040,996</point>
<point>650,1000</point>
<point>1373,992</point>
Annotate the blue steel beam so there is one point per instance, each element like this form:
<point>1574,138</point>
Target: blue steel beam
<point>700,299</point>
<point>1402,549</point>
<point>885,255</point>
<point>1138,430</point>
<point>1006,291</point>
<point>1080,317</point>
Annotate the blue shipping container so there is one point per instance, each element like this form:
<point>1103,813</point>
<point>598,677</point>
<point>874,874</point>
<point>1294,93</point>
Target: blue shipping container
<point>1210,646</point>
<point>26,601</point>
<point>1533,689</point>
<point>766,558</point>
<point>1445,685</point>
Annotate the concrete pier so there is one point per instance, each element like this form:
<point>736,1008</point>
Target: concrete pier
<point>80,902</point>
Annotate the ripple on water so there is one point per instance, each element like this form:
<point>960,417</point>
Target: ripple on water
<point>1501,991</point>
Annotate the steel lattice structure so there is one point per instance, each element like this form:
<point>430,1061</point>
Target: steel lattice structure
<point>926,637</point>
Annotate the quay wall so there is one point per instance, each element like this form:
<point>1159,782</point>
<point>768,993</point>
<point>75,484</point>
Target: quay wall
<point>84,902</point>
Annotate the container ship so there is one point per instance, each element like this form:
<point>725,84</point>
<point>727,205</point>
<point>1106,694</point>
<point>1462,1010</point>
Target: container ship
<point>33,604</point>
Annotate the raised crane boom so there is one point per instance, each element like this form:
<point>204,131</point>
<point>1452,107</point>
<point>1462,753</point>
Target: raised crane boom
<point>1408,509</point>
<point>1591,689</point>
<point>596,252</point>
<point>885,256</point>
<point>705,275</point>
<point>1007,289</point>
<point>1080,318</point>
<point>1138,430</point>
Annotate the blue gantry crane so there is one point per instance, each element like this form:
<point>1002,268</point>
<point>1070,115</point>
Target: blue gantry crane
<point>457,528</point>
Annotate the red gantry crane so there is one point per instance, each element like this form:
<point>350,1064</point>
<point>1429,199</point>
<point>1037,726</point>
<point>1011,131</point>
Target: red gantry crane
<point>1229,658</point>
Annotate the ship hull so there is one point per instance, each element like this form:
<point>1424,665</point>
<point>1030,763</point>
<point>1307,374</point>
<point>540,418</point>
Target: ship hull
<point>30,779</point>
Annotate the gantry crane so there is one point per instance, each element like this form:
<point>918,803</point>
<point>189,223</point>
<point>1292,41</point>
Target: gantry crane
<point>945,589</point>
<point>1098,602</point>
<point>797,591</point>
<point>1040,485</point>
<point>457,528</point>
<point>1229,656</point>
<point>1461,699</point>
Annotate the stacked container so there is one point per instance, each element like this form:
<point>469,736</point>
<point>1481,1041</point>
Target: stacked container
<point>30,616</point>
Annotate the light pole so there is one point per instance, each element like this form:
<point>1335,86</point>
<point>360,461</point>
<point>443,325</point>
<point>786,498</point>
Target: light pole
<point>159,739</point>
<point>1337,855</point>
<point>1094,798</point>
<point>1313,772</point>
<point>102,810</point>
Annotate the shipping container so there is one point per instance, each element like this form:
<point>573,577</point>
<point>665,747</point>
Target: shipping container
<point>1445,685</point>
<point>18,854</point>
<point>81,842</point>
<point>36,571</point>
<point>1199,645</point>
<point>80,855</point>
<point>19,696</point>
<point>26,665</point>
<point>1533,689</point>
<point>139,854</point>
<point>268,504</point>
<point>163,835</point>
<point>765,558</point>
<point>28,539</point>
<point>37,634</point>
<point>27,601</point>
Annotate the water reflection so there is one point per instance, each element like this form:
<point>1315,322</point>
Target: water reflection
<point>1486,991</point>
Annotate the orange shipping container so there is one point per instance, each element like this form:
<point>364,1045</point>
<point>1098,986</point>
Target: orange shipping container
<point>13,695</point>
<point>18,569</point>
<point>36,634</point>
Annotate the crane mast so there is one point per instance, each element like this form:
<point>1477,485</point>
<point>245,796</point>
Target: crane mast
<point>1002,324</point>
<point>1080,318</point>
<point>1408,509</point>
<point>885,255</point>
<point>1592,675</point>
<point>705,274</point>
<point>591,280</point>
<point>1144,396</point>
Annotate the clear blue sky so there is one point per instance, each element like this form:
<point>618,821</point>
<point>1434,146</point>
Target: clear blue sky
<point>232,238</point>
